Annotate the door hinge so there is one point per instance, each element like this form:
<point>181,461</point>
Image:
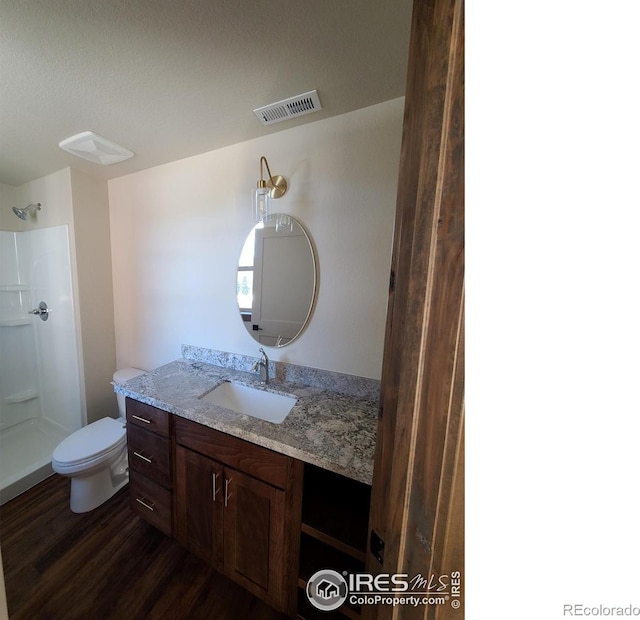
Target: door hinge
<point>376,545</point>
<point>392,281</point>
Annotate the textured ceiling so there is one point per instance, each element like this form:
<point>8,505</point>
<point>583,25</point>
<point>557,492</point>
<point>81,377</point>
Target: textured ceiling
<point>174,78</point>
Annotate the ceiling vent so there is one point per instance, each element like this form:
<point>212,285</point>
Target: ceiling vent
<point>96,148</point>
<point>289,108</point>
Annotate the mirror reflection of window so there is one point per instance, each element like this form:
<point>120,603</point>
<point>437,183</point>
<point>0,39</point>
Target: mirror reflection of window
<point>244,289</point>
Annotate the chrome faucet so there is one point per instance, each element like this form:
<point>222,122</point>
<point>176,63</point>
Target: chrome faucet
<point>262,366</point>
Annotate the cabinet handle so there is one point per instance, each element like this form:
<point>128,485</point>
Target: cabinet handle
<point>137,417</point>
<point>227,495</point>
<point>144,503</point>
<point>143,457</point>
<point>214,489</point>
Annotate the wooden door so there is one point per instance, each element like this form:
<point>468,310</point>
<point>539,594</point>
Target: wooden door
<point>417,495</point>
<point>200,504</point>
<point>254,536</point>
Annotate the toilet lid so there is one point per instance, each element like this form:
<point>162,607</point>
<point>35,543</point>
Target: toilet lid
<point>90,441</point>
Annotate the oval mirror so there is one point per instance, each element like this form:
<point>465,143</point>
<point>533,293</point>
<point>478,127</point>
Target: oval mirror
<point>276,281</point>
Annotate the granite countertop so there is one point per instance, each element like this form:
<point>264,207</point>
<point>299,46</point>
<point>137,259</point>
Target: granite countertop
<point>331,430</point>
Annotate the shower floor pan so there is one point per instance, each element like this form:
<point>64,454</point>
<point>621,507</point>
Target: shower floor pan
<point>25,456</point>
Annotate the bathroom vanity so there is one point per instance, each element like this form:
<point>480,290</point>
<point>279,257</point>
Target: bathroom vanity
<point>266,504</point>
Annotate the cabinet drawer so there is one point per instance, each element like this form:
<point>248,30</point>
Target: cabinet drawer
<point>259,462</point>
<point>149,454</point>
<point>151,501</point>
<point>148,417</point>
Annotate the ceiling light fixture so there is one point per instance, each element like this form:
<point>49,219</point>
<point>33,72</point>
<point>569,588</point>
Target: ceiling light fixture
<point>95,148</point>
<point>274,187</point>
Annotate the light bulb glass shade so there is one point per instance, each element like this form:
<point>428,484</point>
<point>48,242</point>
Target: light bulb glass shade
<point>261,203</point>
<point>284,223</point>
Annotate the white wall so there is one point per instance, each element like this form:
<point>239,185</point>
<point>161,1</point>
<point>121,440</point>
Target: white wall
<point>8,221</point>
<point>177,231</point>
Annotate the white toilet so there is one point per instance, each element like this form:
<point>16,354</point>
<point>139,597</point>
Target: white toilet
<point>95,456</point>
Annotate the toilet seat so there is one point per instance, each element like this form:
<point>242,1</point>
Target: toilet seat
<point>89,446</point>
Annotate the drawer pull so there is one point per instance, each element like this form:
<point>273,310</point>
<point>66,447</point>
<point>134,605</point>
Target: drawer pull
<point>137,417</point>
<point>215,489</point>
<point>144,501</point>
<point>148,459</point>
<point>227,495</point>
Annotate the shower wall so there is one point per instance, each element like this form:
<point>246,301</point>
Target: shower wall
<point>19,394</point>
<point>50,281</point>
<point>40,397</point>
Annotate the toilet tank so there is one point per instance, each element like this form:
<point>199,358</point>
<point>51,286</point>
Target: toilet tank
<point>119,377</point>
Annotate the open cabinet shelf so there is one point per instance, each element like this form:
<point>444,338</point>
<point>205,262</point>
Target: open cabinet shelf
<point>335,518</point>
<point>335,510</point>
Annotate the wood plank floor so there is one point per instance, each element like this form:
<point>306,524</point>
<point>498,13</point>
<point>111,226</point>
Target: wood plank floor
<point>107,563</point>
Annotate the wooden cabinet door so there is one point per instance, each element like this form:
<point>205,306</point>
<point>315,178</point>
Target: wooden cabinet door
<point>200,505</point>
<point>254,536</point>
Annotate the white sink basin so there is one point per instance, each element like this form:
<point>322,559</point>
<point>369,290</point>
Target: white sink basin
<point>250,401</point>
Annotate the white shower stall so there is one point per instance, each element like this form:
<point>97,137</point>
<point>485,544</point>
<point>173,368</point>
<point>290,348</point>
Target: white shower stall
<point>40,389</point>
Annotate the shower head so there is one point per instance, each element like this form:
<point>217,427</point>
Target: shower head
<point>22,213</point>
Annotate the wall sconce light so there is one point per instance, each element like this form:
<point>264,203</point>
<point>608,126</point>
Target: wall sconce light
<point>274,187</point>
